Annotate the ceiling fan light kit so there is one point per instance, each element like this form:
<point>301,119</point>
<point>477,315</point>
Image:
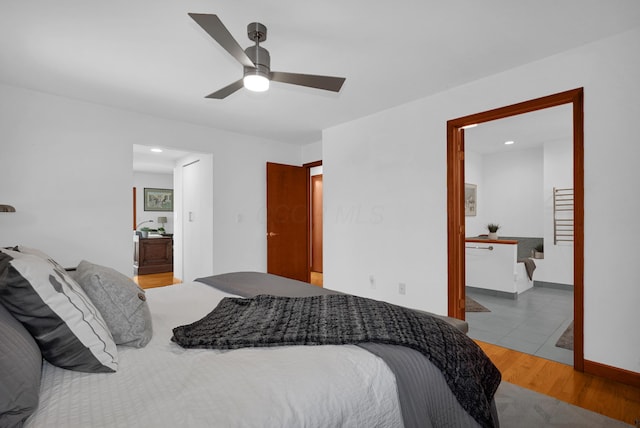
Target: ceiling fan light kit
<point>256,60</point>
<point>257,78</point>
<point>255,82</point>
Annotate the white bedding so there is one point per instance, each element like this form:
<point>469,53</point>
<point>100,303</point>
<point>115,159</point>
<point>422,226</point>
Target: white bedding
<point>164,385</point>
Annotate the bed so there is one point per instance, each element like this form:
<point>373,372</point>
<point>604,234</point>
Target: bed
<point>161,384</point>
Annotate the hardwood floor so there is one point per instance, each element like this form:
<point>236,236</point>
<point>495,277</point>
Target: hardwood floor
<point>156,280</point>
<point>162,279</point>
<point>607,397</point>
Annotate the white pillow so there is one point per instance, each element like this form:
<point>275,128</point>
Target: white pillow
<point>68,328</point>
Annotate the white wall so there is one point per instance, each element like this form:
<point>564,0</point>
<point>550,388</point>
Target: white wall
<point>557,265</point>
<point>390,168</point>
<point>473,174</point>
<point>67,168</point>
<point>152,180</point>
<point>312,152</point>
<point>510,192</point>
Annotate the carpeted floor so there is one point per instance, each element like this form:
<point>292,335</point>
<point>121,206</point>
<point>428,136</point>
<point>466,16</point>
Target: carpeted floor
<point>471,305</point>
<point>566,340</point>
<point>523,408</point>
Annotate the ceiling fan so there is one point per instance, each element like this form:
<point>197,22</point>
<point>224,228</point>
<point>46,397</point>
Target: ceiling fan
<point>256,60</point>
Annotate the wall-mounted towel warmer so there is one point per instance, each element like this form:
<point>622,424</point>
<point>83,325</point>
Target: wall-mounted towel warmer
<point>562,215</point>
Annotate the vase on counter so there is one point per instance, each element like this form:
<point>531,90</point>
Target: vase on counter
<point>493,235</point>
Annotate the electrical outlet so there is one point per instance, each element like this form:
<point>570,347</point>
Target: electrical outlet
<point>372,282</point>
<point>402,288</point>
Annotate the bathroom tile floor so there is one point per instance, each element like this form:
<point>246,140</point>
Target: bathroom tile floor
<point>531,324</point>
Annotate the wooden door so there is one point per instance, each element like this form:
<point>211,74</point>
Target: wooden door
<point>288,221</point>
<point>316,223</point>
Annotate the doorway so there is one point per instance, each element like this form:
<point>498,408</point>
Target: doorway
<point>456,213</point>
<point>316,274</point>
<point>162,167</point>
<point>294,233</point>
<point>512,166</point>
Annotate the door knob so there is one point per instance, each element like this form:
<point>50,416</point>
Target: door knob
<point>271,234</point>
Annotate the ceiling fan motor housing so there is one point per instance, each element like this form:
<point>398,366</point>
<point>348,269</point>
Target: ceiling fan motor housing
<point>261,58</point>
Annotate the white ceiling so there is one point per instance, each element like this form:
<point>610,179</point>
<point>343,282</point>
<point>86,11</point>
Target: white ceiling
<point>528,130</point>
<point>145,160</point>
<point>148,56</point>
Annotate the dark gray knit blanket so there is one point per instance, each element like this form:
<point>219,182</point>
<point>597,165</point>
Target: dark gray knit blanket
<point>267,320</point>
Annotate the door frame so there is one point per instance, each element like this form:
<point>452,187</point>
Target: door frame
<point>307,182</point>
<point>308,166</point>
<point>287,231</point>
<point>455,203</point>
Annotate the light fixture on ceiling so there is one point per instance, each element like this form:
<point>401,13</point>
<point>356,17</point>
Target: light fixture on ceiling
<point>255,82</point>
<point>156,150</point>
<point>7,209</point>
<point>257,79</point>
<point>473,125</point>
<point>508,143</point>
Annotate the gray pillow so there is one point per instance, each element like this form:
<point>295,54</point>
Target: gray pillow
<point>20,366</point>
<point>122,303</point>
<point>58,314</point>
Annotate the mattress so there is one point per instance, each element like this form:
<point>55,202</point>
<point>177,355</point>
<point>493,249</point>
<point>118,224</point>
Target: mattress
<point>164,385</point>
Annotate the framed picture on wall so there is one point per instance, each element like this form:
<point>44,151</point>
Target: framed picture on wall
<point>158,199</point>
<point>470,199</point>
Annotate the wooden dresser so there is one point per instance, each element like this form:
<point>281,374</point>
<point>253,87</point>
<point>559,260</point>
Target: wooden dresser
<point>153,255</point>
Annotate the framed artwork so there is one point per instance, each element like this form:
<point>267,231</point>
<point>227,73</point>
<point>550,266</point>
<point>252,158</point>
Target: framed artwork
<point>158,199</point>
<point>470,199</point>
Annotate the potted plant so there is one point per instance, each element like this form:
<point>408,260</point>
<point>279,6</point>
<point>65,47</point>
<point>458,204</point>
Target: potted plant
<point>144,232</point>
<point>538,251</point>
<point>493,229</point>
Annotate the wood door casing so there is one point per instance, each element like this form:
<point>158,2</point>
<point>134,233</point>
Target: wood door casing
<point>288,221</point>
<point>316,223</point>
<point>455,203</point>
<point>135,208</point>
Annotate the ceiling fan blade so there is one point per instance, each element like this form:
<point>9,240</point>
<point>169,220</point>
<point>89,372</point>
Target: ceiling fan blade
<point>328,83</point>
<point>216,29</point>
<point>227,90</point>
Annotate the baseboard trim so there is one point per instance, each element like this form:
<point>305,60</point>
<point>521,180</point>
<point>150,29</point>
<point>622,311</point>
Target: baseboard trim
<point>613,373</point>
<point>554,285</point>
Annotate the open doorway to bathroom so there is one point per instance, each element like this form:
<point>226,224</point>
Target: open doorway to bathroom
<point>456,202</point>
<point>519,283</point>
